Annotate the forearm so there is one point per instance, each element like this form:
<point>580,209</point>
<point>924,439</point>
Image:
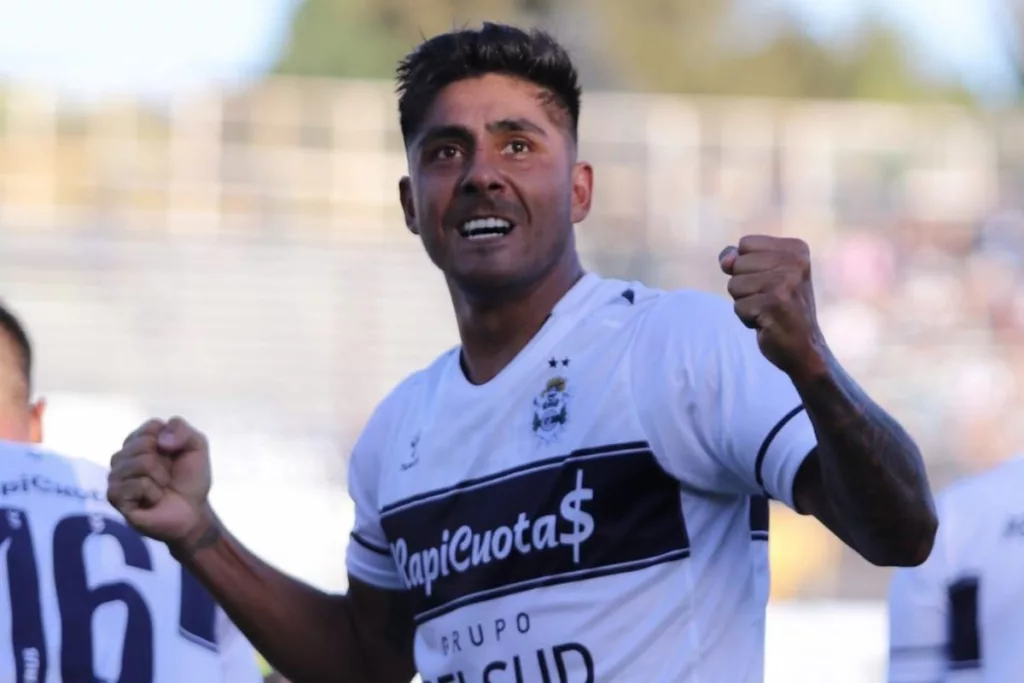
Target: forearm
<point>872,473</point>
<point>304,633</point>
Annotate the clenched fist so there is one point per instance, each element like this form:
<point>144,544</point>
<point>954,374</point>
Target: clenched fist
<point>160,480</point>
<point>771,285</point>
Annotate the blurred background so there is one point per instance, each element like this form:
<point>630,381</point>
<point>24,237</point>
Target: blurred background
<point>198,215</point>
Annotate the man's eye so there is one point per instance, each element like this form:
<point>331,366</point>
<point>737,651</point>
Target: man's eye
<point>518,147</point>
<point>446,152</point>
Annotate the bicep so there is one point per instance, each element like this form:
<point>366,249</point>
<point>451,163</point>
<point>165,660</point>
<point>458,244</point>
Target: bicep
<point>383,620</point>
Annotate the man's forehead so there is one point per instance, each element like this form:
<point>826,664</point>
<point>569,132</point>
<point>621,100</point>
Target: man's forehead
<point>475,103</point>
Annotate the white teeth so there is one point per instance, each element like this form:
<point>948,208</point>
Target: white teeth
<point>485,223</point>
<point>479,228</point>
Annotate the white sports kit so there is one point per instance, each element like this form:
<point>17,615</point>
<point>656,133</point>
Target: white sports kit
<point>597,511</point>
<point>959,617</point>
<point>84,598</point>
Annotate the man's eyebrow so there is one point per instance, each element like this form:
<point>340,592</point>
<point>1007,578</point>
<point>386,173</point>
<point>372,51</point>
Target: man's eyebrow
<point>448,132</point>
<point>519,125</point>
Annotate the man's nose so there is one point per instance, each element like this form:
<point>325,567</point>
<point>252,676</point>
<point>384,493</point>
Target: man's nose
<point>482,176</point>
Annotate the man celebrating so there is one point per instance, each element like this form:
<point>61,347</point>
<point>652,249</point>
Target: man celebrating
<point>570,494</point>
<point>89,599</point>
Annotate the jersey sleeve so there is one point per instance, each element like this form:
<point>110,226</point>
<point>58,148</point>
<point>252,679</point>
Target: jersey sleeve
<point>238,662</point>
<point>368,557</point>
<point>718,414</point>
<point>918,615</point>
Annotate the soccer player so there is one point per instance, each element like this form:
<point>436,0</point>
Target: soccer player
<point>577,491</point>
<point>85,597</point>
<point>958,616</point>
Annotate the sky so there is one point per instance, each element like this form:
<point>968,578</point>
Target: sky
<point>959,36</point>
<point>102,47</point>
<point>98,48</point>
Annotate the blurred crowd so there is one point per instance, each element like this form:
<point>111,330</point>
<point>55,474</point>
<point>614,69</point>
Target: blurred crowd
<point>240,258</point>
<point>937,317</point>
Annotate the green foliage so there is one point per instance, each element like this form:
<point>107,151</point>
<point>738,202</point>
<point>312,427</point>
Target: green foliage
<point>1014,37</point>
<point>692,46</point>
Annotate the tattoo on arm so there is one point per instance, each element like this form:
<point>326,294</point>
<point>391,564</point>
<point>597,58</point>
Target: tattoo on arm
<point>207,539</point>
<point>871,470</point>
<point>211,534</point>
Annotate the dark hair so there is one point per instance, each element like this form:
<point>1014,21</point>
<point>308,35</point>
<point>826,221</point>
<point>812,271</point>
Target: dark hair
<point>10,325</point>
<point>533,56</point>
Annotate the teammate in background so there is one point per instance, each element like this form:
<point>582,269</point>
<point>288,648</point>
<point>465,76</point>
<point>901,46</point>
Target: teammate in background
<point>576,493</point>
<point>958,616</point>
<point>90,599</point>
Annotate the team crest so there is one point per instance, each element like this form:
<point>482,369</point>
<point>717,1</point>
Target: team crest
<point>551,410</point>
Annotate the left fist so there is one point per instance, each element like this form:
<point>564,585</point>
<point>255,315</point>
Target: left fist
<point>770,281</point>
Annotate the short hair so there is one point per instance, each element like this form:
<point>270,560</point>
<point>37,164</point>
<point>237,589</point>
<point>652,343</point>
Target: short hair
<point>533,56</point>
<point>12,327</point>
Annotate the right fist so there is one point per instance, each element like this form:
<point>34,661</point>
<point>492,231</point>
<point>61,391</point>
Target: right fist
<point>160,480</point>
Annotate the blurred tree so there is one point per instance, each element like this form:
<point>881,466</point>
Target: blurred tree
<point>1014,28</point>
<point>723,48</point>
<point>719,47</point>
<point>365,38</point>
<point>338,39</point>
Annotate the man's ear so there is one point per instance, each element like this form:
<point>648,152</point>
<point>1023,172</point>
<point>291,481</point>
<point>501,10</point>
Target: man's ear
<point>408,206</point>
<point>582,191</point>
<point>36,413</point>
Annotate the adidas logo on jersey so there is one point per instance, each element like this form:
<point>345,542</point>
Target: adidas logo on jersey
<point>465,548</point>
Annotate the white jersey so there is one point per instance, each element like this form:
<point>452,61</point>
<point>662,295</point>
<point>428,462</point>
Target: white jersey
<point>597,511</point>
<point>86,598</point>
<point>958,617</point>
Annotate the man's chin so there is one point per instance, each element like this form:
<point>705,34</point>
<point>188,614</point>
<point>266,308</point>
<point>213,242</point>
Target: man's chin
<point>493,282</point>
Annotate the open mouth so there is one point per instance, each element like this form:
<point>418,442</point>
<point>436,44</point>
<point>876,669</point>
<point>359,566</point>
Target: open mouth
<point>485,228</point>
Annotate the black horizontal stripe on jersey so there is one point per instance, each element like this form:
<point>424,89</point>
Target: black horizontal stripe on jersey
<point>639,447</point>
<point>546,581</point>
<point>590,513</point>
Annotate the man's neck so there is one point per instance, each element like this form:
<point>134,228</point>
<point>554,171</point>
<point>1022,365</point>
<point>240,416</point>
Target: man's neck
<point>493,335</point>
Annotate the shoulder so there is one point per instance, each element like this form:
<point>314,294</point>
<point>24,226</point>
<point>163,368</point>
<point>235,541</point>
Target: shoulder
<point>31,469</point>
<point>684,320</point>
<point>14,451</point>
<point>979,501</point>
<point>408,396</point>
<point>988,489</point>
<point>973,511</point>
<point>38,458</point>
<point>637,307</point>
<point>684,311</point>
<point>411,392</point>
